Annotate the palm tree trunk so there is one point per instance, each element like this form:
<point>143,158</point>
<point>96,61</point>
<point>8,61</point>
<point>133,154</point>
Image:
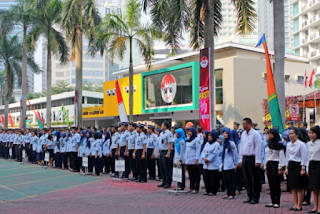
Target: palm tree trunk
<point>131,84</point>
<point>24,78</point>
<point>209,43</point>
<point>78,50</point>
<point>279,52</point>
<point>6,101</point>
<point>49,76</point>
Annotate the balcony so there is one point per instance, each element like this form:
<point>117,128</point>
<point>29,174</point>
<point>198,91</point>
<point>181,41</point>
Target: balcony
<point>303,8</point>
<point>312,2</point>
<point>305,40</point>
<point>304,23</point>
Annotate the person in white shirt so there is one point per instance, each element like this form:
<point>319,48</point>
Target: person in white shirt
<point>295,167</point>
<point>250,160</point>
<point>313,166</point>
<point>275,160</point>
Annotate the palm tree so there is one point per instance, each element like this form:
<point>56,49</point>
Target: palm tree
<point>1,86</point>
<point>202,18</point>
<point>119,31</point>
<point>79,18</point>
<point>279,54</point>
<point>47,19</point>
<point>20,14</point>
<point>11,57</point>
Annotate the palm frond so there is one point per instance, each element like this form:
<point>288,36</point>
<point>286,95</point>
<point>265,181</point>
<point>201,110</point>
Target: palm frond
<point>246,16</point>
<point>34,34</point>
<point>33,66</point>
<point>133,13</point>
<point>62,46</point>
<point>117,48</point>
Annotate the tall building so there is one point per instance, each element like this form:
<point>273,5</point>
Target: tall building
<point>228,27</point>
<point>265,14</point>
<point>17,92</point>
<point>306,30</point>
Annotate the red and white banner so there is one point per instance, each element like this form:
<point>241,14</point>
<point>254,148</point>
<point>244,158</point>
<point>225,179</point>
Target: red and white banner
<point>204,89</point>
<point>122,110</point>
<point>11,121</point>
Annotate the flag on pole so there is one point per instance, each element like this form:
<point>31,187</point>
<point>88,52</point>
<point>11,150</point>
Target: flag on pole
<point>39,117</point>
<point>2,120</point>
<point>65,116</point>
<point>11,121</point>
<point>122,110</point>
<point>312,78</point>
<point>38,120</point>
<point>272,94</point>
<point>75,109</point>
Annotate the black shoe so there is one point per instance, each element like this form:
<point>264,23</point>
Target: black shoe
<point>253,202</point>
<point>269,205</point>
<point>205,193</point>
<point>167,186</point>
<point>210,194</point>
<point>311,211</point>
<point>133,179</point>
<point>143,181</point>
<point>291,208</point>
<point>138,181</point>
<point>161,185</point>
<point>296,209</point>
<point>152,178</point>
<point>247,201</point>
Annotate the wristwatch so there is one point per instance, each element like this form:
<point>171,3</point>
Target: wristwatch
<point>303,167</point>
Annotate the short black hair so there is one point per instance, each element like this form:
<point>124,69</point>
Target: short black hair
<point>96,135</point>
<point>305,124</point>
<point>167,124</point>
<point>94,128</point>
<point>248,120</point>
<point>49,137</point>
<point>75,128</point>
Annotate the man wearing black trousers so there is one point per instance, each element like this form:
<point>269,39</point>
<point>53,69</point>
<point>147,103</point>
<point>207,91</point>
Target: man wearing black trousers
<point>250,160</point>
<point>131,144</point>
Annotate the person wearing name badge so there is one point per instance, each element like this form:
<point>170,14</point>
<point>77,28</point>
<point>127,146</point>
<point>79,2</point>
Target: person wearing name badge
<point>115,137</point>
<point>155,153</point>
<point>56,150</point>
<point>106,152</point>
<point>89,141</point>
<point>151,137</point>
<point>229,164</point>
<point>44,144</point>
<point>313,166</point>
<point>95,148</point>
<point>34,145</point>
<point>132,166</point>
<point>295,167</point>
<point>211,163</point>
<point>27,144</point>
<point>179,155</point>
<point>20,146</point>
<point>63,150</point>
<point>220,184</point>
<point>139,154</point>
<point>39,148</point>
<point>122,147</point>
<point>166,140</point>
<point>193,146</point>
<point>49,148</point>
<point>81,148</point>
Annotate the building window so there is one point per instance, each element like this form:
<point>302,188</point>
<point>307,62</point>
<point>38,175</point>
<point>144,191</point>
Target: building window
<point>219,86</point>
<point>73,81</point>
<point>219,118</point>
<point>300,79</point>
<point>296,40</point>
<point>295,24</point>
<point>296,9</point>
<point>297,52</point>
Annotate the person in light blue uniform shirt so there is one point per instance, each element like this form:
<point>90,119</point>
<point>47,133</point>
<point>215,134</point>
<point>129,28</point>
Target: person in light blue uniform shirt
<point>1,145</point>
<point>21,144</point>
<point>221,181</point>
<point>166,140</point>
<point>211,163</point>
<point>81,148</point>
<point>96,152</point>
<point>39,148</point>
<point>27,145</point>
<point>63,150</point>
<point>156,149</point>
<point>115,137</point>
<point>74,144</point>
<point>140,155</point>
<point>106,152</point>
<point>122,148</point>
<point>132,166</point>
<point>238,174</point>
<point>193,147</point>
<point>229,164</point>
<point>15,144</point>
<point>44,139</point>
<point>179,155</point>
<point>151,137</point>
<point>33,144</point>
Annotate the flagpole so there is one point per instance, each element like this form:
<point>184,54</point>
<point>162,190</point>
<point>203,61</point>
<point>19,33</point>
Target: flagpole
<point>304,100</point>
<point>315,105</point>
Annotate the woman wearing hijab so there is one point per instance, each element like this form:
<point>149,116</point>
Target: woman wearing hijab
<point>204,137</point>
<point>221,186</point>
<point>179,154</point>
<point>63,150</point>
<point>313,166</point>
<point>56,149</point>
<point>210,157</point>
<point>275,160</point>
<point>229,164</point>
<point>238,173</point>
<point>82,148</point>
<point>295,167</point>
<point>193,146</point>
<point>106,152</point>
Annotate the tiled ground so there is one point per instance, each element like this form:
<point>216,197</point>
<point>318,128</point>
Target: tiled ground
<point>31,189</point>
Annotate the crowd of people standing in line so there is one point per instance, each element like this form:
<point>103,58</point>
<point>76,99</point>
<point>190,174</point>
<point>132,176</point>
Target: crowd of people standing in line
<point>228,160</point>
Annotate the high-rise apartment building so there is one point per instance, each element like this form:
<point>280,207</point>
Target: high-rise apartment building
<point>265,13</point>
<point>17,92</point>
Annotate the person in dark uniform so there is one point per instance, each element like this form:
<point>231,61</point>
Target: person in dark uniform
<point>152,140</point>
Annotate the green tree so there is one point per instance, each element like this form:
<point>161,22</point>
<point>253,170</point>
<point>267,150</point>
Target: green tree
<point>202,18</point>
<point>120,31</point>
<point>79,18</point>
<point>59,88</point>
<point>21,14</point>
<point>11,57</point>
<point>31,96</point>
<point>45,25</point>
<point>89,86</point>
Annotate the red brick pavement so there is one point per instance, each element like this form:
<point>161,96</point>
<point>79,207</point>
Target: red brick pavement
<point>105,196</point>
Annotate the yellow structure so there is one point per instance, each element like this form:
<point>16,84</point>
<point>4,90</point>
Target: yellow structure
<point>110,102</point>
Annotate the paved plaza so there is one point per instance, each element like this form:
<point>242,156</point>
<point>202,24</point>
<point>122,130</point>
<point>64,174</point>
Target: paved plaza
<point>32,189</point>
